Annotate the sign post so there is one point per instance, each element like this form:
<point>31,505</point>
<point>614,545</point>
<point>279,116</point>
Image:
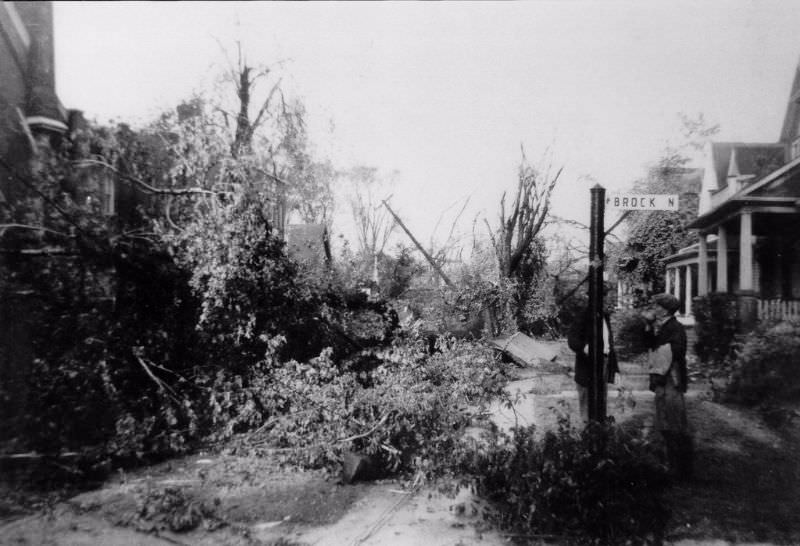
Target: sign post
<point>597,385</point>
<point>633,201</point>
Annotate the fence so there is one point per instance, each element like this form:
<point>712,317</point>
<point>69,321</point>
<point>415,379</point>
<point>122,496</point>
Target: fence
<point>779,310</point>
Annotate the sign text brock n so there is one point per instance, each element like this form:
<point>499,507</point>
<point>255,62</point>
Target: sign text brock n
<point>642,201</point>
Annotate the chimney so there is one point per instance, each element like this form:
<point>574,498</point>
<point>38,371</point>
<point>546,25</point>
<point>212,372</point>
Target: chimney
<point>43,110</point>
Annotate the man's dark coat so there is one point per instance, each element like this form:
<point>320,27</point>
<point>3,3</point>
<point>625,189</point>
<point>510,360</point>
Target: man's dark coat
<point>577,339</point>
<point>674,333</point>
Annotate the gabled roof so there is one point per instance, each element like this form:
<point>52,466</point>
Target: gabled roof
<point>792,109</point>
<point>769,183</point>
<point>749,158</point>
<point>766,191</point>
<point>764,173</point>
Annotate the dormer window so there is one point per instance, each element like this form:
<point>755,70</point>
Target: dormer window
<point>795,151</point>
<point>795,146</point>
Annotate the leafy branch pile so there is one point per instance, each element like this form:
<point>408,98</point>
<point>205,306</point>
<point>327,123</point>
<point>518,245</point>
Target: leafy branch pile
<point>407,413</point>
<point>182,316</point>
<point>171,509</point>
<point>150,341</point>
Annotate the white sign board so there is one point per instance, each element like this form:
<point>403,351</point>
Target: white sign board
<point>642,201</point>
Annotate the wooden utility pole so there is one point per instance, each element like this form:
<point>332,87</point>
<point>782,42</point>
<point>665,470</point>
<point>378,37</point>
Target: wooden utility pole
<point>428,257</point>
<point>597,378</point>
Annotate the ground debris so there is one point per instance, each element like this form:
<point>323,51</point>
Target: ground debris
<point>524,350</point>
<point>171,508</point>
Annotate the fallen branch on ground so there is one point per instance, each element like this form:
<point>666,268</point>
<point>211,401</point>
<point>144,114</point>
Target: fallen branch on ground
<point>161,385</point>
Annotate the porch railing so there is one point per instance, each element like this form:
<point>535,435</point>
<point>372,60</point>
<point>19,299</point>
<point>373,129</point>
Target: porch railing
<point>779,310</point>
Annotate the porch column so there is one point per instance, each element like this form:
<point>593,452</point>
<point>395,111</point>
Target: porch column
<point>668,280</point>
<point>748,304</point>
<point>722,259</point>
<point>677,292</point>
<point>746,251</point>
<point>702,266</point>
<point>688,290</point>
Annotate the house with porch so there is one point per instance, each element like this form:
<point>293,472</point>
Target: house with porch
<point>747,225</point>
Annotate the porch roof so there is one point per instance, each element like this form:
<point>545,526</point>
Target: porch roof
<point>688,254</point>
<point>746,198</point>
<point>736,203</point>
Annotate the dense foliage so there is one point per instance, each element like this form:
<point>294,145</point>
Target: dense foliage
<point>628,327</point>
<point>135,319</point>
<point>147,342</point>
<point>716,325</point>
<point>766,366</point>
<point>91,385</point>
<point>249,290</point>
<point>600,485</point>
<point>407,411</point>
<point>652,236</point>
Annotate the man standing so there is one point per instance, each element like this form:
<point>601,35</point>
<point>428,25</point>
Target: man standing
<point>669,385</point>
<point>578,340</point>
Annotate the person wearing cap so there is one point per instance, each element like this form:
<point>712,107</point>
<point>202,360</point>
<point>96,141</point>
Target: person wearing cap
<point>662,328</point>
<point>578,340</point>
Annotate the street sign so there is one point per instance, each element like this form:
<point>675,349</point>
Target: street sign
<point>642,201</point>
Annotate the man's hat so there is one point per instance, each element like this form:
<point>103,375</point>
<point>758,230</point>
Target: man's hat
<point>668,302</point>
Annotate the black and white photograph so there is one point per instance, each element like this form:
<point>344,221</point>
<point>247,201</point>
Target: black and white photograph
<point>455,273</point>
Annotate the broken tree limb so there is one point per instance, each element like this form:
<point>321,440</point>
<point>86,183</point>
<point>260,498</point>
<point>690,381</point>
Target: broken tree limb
<point>162,386</point>
<point>4,227</point>
<point>378,425</point>
<point>141,184</point>
<point>428,257</point>
<point>569,294</point>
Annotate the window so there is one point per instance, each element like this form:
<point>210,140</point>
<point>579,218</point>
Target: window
<point>795,152</point>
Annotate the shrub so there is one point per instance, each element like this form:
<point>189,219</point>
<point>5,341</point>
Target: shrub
<point>766,367</point>
<point>628,328</point>
<point>601,485</point>
<point>715,323</point>
<point>91,384</point>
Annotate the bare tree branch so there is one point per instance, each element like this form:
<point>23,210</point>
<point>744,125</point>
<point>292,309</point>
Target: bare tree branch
<point>264,108</point>
<point>4,227</point>
<point>529,210</point>
<point>141,184</point>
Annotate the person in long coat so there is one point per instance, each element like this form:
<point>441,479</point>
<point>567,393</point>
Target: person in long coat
<point>578,340</point>
<point>662,328</point>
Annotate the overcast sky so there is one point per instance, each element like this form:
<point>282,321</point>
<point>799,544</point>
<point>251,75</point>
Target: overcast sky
<point>446,92</point>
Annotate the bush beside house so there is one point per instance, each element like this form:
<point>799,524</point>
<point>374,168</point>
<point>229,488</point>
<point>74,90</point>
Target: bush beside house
<point>716,326</point>
<point>766,370</point>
